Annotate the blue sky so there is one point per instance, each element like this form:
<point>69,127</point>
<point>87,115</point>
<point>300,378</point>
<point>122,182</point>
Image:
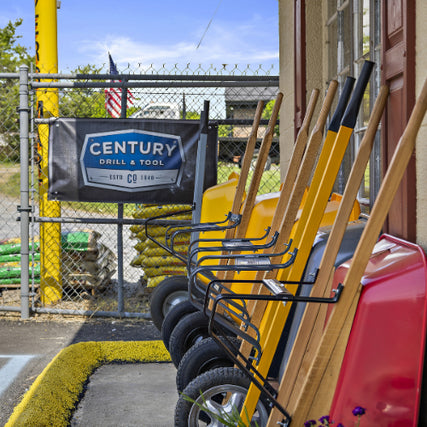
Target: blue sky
<point>157,31</point>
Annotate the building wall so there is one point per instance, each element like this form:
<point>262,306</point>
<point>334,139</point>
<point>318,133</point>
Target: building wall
<point>421,76</point>
<point>314,73</point>
<point>314,50</point>
<point>286,55</point>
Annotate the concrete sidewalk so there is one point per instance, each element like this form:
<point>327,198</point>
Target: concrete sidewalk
<point>138,394</point>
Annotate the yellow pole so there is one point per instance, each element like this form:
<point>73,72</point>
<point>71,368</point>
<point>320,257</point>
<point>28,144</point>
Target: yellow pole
<point>47,106</point>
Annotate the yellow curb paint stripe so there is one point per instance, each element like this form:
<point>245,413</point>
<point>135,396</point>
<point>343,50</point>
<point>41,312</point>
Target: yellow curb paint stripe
<point>56,391</point>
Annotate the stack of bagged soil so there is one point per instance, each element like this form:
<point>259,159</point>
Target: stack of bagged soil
<point>156,262</point>
<point>86,262</point>
<point>10,261</point>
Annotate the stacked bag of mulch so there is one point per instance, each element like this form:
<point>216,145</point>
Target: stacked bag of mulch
<point>10,261</point>
<point>86,262</point>
<point>156,262</point>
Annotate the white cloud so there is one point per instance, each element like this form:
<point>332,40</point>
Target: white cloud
<point>223,43</point>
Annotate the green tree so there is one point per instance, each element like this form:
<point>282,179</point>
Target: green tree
<point>223,130</point>
<point>84,102</point>
<point>266,114</point>
<point>192,115</point>
<point>12,55</point>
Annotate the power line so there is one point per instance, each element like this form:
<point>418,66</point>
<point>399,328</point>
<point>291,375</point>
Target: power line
<point>207,27</point>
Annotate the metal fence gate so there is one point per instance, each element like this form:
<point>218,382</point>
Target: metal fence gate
<point>100,250</point>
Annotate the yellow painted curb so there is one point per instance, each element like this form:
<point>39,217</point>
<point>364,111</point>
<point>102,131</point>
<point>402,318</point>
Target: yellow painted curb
<point>56,391</point>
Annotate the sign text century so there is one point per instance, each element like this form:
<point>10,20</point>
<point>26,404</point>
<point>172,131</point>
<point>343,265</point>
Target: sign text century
<point>131,147</point>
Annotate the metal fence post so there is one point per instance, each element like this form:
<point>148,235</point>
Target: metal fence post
<point>24,208</point>
<point>199,178</point>
<point>120,213</point>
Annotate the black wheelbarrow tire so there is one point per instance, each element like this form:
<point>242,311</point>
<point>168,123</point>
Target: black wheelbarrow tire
<point>204,356</point>
<point>213,386</point>
<point>175,314</point>
<point>167,294</point>
<point>191,329</point>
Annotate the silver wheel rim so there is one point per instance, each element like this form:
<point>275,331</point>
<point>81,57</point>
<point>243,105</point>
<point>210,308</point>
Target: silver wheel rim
<point>235,397</point>
<point>172,300</point>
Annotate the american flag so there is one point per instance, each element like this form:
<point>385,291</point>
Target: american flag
<point>113,96</point>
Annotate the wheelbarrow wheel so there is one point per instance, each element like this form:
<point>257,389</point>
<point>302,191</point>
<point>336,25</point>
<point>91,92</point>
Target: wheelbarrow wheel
<point>191,329</point>
<point>166,295</point>
<point>175,314</point>
<point>215,394</point>
<point>202,357</point>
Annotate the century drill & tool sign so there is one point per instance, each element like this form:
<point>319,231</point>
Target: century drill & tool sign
<point>131,160</point>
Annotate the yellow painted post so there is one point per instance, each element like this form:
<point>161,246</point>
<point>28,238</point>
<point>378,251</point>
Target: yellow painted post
<point>47,106</point>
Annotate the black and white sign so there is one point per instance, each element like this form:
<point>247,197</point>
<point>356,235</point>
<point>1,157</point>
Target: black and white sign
<point>126,160</point>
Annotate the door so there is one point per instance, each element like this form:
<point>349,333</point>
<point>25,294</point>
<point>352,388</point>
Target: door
<point>398,72</point>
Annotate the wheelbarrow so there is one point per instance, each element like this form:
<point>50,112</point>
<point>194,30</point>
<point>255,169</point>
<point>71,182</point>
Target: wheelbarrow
<point>186,335</point>
<point>217,201</point>
<point>318,193</point>
<point>238,245</point>
<point>173,289</point>
<point>206,354</point>
<point>304,392</point>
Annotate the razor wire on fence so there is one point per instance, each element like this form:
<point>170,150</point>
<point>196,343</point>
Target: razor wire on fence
<point>74,247</point>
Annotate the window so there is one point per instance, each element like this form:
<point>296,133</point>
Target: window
<point>353,36</point>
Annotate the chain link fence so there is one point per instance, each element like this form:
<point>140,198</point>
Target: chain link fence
<point>88,258</point>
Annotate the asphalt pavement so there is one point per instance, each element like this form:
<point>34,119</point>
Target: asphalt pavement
<point>114,373</point>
